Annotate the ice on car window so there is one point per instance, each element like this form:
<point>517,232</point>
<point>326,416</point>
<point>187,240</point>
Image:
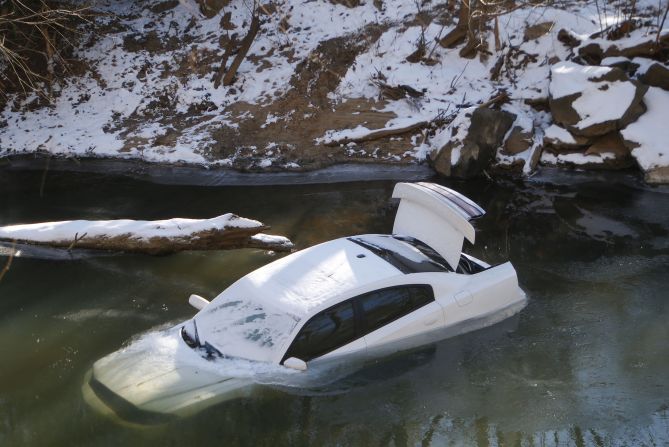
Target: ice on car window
<point>240,326</point>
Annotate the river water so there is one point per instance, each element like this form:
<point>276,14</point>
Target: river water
<point>585,363</point>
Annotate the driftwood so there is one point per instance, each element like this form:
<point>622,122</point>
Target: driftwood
<point>229,77</point>
<point>500,98</point>
<point>381,133</point>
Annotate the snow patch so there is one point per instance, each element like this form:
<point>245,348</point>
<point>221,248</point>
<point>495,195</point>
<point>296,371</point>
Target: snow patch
<point>651,132</point>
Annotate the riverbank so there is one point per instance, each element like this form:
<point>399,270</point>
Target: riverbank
<point>333,83</point>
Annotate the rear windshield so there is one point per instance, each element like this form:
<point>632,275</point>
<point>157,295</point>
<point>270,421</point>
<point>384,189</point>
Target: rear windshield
<point>407,254</point>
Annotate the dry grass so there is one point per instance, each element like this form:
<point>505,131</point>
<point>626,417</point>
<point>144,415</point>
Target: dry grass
<point>34,37</point>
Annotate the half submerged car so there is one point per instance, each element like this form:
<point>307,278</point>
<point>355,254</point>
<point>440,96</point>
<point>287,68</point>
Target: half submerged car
<point>357,297</point>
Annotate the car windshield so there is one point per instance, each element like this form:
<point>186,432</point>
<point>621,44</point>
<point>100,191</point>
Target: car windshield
<point>238,325</point>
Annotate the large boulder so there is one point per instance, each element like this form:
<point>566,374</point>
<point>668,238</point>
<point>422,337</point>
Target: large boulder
<point>590,101</point>
<point>476,136</point>
<point>518,141</point>
<point>593,52</point>
<point>648,137</point>
<point>613,151</point>
<point>657,75</point>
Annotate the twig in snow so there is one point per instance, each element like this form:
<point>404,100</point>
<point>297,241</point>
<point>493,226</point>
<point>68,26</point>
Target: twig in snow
<point>8,264</point>
<point>76,239</point>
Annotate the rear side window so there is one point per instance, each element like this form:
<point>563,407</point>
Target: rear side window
<point>325,332</point>
<point>384,306</point>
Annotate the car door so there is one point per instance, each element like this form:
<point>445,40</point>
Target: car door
<point>329,334</point>
<point>398,316</point>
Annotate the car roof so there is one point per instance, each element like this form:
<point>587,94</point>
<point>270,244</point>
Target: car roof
<point>318,276</point>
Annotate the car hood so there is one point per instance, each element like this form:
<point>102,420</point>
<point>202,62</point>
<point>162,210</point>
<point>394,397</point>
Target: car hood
<point>144,386</point>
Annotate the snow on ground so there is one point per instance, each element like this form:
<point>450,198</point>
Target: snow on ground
<point>599,101</point>
<point>651,131</point>
<point>153,98</point>
<point>121,88</point>
<point>135,229</point>
<point>574,158</point>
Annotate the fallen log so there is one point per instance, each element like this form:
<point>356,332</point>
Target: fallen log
<point>378,134</point>
<point>501,98</point>
<point>156,237</point>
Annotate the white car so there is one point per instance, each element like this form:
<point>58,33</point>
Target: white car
<point>354,297</point>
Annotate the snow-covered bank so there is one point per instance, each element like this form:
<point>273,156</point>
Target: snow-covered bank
<point>326,84</point>
<point>153,237</point>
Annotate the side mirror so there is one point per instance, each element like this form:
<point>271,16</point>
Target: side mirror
<point>197,302</point>
<point>295,363</point>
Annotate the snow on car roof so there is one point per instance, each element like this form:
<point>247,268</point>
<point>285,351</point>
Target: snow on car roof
<point>253,317</point>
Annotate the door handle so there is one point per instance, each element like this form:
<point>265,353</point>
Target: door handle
<point>430,322</point>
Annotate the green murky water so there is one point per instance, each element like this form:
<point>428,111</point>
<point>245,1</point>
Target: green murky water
<point>586,363</point>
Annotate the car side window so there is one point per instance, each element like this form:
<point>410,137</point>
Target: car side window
<point>327,331</point>
<point>384,306</point>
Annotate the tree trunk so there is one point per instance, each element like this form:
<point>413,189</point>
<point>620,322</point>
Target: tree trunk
<point>229,77</point>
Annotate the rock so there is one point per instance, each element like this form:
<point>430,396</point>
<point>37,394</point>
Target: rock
<point>211,7</point>
<point>561,140</point>
<point>568,38</point>
<point>657,75</point>
<point>469,156</point>
<point>610,143</point>
<point>658,175</point>
<point>540,103</point>
<point>562,110</point>
<point>647,137</point>
<point>161,7</point>
<point>536,31</point>
<point>623,63</point>
<point>347,3</point>
<point>612,150</point>
<point>517,142</point>
<point>591,53</point>
<point>650,49</point>
<point>592,101</point>
<point>226,23</point>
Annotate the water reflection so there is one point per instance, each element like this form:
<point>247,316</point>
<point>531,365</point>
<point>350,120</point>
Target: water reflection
<point>586,363</point>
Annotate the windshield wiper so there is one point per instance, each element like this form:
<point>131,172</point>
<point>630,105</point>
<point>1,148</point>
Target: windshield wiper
<point>194,343</point>
<point>190,341</point>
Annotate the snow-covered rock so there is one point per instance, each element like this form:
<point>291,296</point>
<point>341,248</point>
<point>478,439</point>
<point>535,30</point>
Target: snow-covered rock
<point>648,137</point>
<point>657,75</point>
<point>560,138</point>
<point>518,141</point>
<point>476,136</point>
<point>592,100</point>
